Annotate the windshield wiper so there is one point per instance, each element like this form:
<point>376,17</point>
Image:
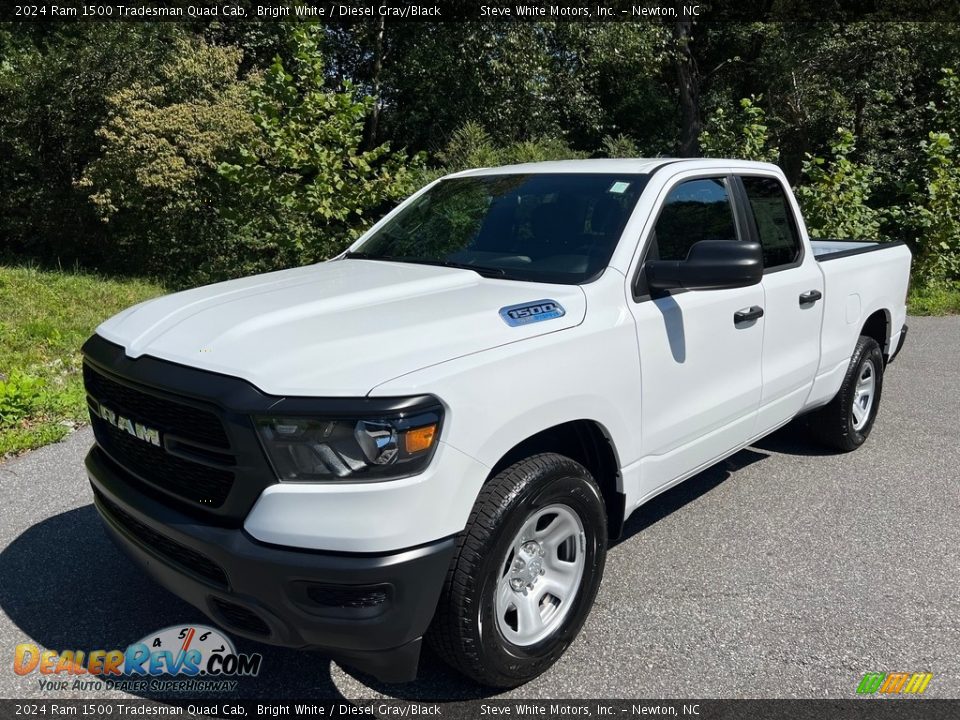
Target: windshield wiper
<point>481,270</point>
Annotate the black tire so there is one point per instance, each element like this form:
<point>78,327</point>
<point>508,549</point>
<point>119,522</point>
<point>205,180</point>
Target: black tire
<point>834,425</point>
<point>464,631</point>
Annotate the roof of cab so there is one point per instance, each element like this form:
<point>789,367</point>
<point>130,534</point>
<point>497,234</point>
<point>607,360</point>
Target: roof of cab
<point>635,166</point>
<point>602,165</point>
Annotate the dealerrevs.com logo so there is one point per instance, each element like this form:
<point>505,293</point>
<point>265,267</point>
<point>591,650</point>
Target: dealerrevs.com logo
<point>180,658</point>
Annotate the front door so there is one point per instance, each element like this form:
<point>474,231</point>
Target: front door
<point>700,367</point>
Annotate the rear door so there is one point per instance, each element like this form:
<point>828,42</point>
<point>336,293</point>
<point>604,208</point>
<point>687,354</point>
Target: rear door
<point>793,299</point>
<point>700,370</point>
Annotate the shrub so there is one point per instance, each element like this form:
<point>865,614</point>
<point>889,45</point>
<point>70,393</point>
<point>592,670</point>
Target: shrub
<point>54,85</point>
<point>742,134</point>
<point>155,182</point>
<point>471,146</point>
<point>539,150</point>
<point>20,396</point>
<point>934,214</point>
<point>619,147</point>
<point>936,218</point>
<point>834,198</point>
<point>302,188</point>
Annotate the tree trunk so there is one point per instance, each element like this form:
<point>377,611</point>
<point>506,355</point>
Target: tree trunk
<point>859,115</point>
<point>373,121</point>
<point>688,82</point>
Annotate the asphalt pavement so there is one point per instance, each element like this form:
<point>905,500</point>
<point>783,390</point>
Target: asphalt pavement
<point>785,571</point>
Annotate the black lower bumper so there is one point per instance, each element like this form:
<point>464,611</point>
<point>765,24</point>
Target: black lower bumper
<point>369,611</point>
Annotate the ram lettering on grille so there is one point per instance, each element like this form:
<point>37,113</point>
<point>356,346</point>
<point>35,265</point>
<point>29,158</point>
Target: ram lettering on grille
<point>137,430</point>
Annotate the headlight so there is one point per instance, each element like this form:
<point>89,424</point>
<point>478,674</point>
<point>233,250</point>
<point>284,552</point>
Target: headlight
<point>312,449</point>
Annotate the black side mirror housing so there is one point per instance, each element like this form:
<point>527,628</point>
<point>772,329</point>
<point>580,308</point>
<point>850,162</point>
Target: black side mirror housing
<point>710,265</point>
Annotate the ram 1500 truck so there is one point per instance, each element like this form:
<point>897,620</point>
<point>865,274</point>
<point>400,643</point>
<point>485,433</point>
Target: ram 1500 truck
<point>436,434</point>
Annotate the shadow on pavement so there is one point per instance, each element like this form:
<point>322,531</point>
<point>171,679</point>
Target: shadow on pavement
<point>66,586</point>
<point>435,681</point>
<point>794,439</point>
<point>686,492</point>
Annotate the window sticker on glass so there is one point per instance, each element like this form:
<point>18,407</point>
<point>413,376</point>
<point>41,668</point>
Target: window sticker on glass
<point>619,187</point>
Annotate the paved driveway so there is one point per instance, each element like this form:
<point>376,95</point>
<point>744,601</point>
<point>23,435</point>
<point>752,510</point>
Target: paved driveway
<point>784,571</point>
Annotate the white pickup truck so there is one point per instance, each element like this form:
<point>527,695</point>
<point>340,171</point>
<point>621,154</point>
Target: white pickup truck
<point>436,434</point>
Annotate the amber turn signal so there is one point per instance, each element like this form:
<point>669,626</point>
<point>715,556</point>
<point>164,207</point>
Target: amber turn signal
<point>419,439</point>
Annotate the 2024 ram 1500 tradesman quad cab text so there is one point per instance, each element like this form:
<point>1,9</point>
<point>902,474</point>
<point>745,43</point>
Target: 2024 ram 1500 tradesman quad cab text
<point>437,433</point>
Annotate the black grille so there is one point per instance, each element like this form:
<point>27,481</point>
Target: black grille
<point>194,481</point>
<point>345,596</point>
<point>173,417</point>
<point>199,483</point>
<point>240,617</point>
<point>172,551</point>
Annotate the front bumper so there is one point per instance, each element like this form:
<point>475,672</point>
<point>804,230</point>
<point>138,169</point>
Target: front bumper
<point>366,610</point>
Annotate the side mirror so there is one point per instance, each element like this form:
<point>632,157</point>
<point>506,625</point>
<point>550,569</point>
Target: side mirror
<point>710,265</point>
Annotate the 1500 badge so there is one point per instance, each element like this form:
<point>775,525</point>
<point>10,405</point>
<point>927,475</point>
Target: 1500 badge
<point>529,312</point>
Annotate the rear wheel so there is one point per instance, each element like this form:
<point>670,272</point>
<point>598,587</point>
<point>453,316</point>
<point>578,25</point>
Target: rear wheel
<point>846,422</point>
<point>525,574</point>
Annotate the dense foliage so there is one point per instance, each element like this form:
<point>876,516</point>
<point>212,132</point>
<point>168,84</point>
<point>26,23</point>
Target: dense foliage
<point>303,185</point>
<point>201,151</point>
<point>154,182</point>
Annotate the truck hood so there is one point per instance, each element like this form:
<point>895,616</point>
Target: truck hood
<point>338,328</point>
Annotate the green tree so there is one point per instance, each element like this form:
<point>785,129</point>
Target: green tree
<point>522,81</point>
<point>835,197</point>
<point>934,213</point>
<point>743,134</point>
<point>619,147</point>
<point>54,83</point>
<point>302,186</point>
<point>471,146</point>
<point>156,181</point>
<point>436,76</point>
<point>937,214</point>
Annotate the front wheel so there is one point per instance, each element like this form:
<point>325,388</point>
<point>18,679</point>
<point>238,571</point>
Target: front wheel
<point>525,574</point>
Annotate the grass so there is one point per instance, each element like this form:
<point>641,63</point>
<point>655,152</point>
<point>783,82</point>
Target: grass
<point>44,319</point>
<point>934,300</point>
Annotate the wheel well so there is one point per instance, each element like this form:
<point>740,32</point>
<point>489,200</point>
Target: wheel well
<point>876,327</point>
<point>586,442</point>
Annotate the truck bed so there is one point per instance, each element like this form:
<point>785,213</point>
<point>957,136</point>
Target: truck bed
<point>860,279</point>
<point>832,248</point>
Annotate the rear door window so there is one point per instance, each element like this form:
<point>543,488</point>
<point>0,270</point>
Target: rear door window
<point>774,220</point>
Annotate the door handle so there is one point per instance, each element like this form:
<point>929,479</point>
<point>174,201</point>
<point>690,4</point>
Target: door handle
<point>747,314</point>
<point>810,296</point>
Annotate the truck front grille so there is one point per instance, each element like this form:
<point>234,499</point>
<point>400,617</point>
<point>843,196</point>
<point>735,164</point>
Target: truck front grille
<point>183,420</point>
<point>205,481</point>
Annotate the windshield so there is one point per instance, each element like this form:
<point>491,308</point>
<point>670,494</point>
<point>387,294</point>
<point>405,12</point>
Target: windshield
<point>559,228</point>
